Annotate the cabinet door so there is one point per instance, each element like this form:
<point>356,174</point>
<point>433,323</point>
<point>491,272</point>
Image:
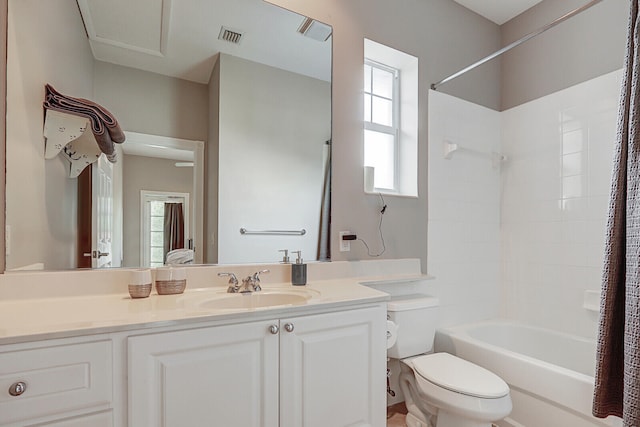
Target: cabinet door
<point>219,376</point>
<point>332,369</point>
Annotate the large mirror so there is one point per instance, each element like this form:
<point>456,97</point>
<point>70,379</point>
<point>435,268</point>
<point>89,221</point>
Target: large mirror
<point>226,105</point>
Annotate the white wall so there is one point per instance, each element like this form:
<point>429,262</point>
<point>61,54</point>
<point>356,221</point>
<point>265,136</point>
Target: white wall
<point>464,209</point>
<point>271,173</point>
<point>43,229</point>
<point>554,205</point>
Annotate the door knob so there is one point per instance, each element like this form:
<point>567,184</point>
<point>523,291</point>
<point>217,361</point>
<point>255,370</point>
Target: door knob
<point>288,327</point>
<point>18,388</point>
<point>274,329</point>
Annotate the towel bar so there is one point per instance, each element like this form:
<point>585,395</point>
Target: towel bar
<point>275,232</point>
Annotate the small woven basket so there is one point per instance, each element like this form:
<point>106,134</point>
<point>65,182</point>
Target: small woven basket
<point>140,291</point>
<point>170,287</point>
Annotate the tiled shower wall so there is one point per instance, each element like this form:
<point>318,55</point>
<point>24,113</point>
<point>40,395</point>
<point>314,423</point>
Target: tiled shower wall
<point>524,238</point>
<point>555,188</point>
<point>464,209</point>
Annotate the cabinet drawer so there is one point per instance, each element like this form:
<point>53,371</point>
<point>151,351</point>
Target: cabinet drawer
<point>103,419</point>
<point>57,379</point>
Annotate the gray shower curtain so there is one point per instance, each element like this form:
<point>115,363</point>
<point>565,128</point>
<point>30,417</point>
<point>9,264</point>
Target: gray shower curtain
<point>617,383</point>
<point>324,236</point>
<point>173,227</point>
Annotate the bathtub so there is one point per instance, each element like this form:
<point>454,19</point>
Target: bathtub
<point>550,374</point>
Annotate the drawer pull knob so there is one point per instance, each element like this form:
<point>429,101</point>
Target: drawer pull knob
<point>288,327</point>
<point>274,329</point>
<point>18,388</point>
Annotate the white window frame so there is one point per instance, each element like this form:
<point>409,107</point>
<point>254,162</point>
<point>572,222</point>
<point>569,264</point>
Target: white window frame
<point>406,166</point>
<point>145,223</point>
<point>394,129</point>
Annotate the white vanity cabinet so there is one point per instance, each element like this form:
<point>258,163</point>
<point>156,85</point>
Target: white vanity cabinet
<point>62,384</point>
<point>191,378</point>
<point>324,370</point>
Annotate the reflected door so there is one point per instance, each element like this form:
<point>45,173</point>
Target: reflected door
<point>95,215</point>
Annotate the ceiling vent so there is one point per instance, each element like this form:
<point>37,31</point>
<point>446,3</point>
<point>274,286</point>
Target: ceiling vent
<point>229,35</point>
<point>314,29</point>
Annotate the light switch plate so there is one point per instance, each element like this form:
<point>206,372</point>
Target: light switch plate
<point>345,245</point>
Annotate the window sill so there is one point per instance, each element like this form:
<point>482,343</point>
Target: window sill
<point>386,194</point>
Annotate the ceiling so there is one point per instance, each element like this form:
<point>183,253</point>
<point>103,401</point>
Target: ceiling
<point>179,38</point>
<point>498,11</point>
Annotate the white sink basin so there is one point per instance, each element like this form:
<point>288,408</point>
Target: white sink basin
<point>260,299</point>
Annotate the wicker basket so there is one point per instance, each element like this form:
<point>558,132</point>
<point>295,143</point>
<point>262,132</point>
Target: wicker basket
<point>140,291</point>
<point>170,287</point>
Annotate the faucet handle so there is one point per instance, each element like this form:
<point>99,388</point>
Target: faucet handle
<point>233,281</point>
<point>232,277</point>
<point>256,279</point>
<point>256,275</point>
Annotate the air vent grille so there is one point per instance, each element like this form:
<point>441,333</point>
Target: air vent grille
<point>315,30</point>
<point>229,35</point>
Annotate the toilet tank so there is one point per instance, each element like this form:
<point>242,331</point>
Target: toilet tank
<point>415,317</point>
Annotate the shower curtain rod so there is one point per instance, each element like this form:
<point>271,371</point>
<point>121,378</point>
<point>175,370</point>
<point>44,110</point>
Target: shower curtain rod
<point>507,48</point>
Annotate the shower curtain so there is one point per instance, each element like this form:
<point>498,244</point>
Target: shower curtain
<point>617,382</point>
<point>324,236</point>
<point>173,227</point>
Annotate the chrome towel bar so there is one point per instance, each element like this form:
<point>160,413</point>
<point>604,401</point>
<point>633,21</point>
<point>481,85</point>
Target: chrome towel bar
<point>302,232</point>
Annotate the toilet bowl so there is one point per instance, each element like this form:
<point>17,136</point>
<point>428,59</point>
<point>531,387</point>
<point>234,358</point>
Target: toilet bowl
<point>440,390</point>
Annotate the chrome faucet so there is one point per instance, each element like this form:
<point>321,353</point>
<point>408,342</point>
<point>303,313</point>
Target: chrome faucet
<point>255,280</point>
<point>234,287</point>
<point>249,283</point>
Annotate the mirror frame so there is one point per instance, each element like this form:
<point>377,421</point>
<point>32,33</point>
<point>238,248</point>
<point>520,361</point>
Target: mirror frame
<point>3,129</point>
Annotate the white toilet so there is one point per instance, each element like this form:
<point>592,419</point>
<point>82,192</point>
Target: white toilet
<point>440,390</point>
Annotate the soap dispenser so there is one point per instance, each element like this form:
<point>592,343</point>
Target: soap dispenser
<point>285,257</point>
<point>298,271</point>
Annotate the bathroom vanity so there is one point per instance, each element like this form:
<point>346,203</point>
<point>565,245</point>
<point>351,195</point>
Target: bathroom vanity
<point>185,360</point>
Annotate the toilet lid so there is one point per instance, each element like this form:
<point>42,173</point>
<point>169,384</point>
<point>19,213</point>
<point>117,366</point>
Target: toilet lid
<point>454,374</point>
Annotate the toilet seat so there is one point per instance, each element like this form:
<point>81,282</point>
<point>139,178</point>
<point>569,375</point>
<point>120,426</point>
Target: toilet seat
<point>460,376</point>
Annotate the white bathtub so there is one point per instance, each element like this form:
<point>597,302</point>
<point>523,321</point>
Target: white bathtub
<point>550,374</point>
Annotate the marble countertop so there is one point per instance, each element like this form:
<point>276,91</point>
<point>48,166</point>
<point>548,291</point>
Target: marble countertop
<point>31,319</point>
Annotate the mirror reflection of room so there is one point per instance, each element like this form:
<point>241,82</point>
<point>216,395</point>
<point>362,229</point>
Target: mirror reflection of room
<point>227,117</point>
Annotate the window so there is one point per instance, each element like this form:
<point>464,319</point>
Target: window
<point>381,121</point>
<point>391,119</point>
<point>152,220</point>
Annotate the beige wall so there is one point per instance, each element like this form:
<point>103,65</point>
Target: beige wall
<point>40,197</point>
<point>147,173</point>
<point>445,37</point>
<point>586,46</point>
<point>150,103</point>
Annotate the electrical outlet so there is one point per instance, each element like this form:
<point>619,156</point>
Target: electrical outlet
<point>345,245</point>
